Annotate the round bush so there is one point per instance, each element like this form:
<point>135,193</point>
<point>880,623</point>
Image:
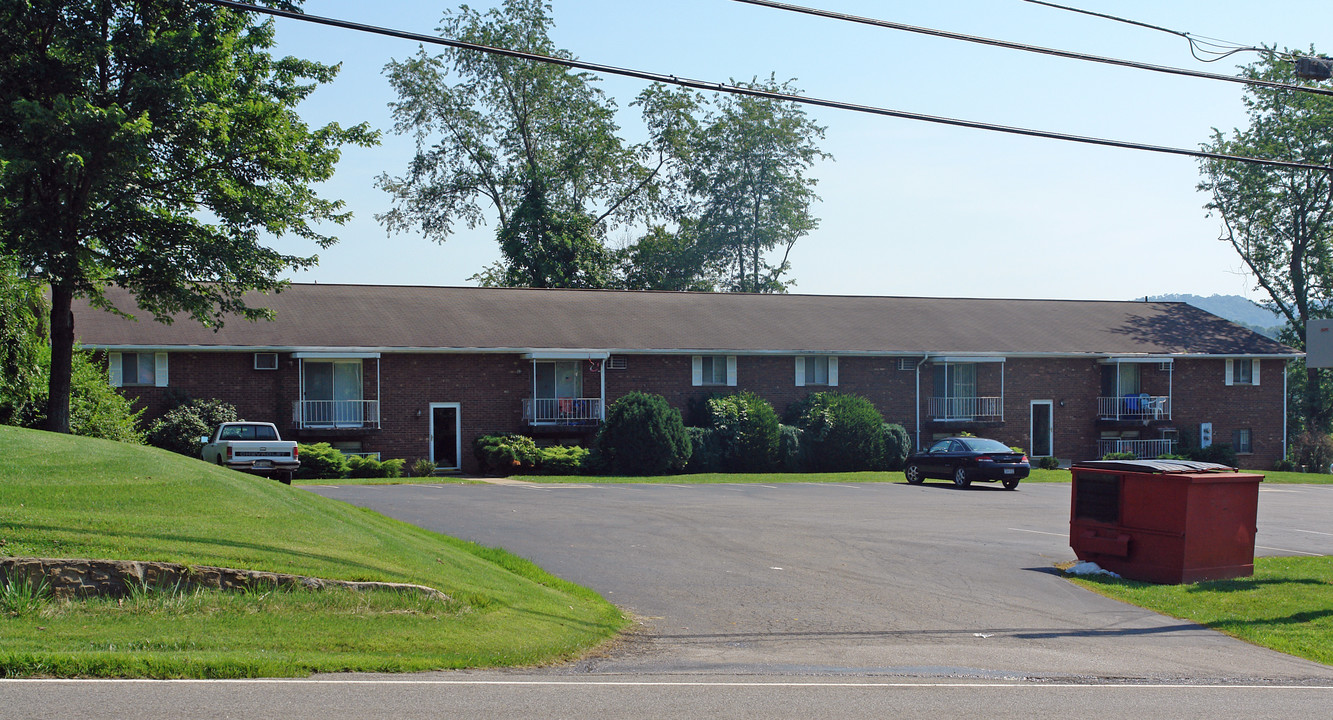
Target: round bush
<point>322,461</point>
<point>505,454</point>
<point>843,433</point>
<point>1050,462</point>
<point>706,450</point>
<point>642,435</point>
<point>747,426</point>
<point>180,429</point>
<point>897,446</point>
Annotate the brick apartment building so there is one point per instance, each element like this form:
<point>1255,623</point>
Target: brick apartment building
<point>417,372</point>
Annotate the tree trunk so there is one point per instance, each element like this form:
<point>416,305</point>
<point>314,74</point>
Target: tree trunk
<point>62,358</point>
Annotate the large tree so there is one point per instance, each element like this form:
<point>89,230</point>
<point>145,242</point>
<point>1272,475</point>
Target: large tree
<point>149,144</point>
<point>1280,220</point>
<point>533,143</point>
<point>749,171</point>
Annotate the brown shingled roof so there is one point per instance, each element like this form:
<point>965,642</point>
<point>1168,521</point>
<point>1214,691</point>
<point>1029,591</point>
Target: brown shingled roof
<point>388,317</point>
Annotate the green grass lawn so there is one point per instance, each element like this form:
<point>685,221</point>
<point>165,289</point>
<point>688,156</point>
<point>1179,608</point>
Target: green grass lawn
<point>1286,606</point>
<point>62,496</point>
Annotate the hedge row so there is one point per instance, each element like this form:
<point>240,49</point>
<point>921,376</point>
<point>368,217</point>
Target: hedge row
<point>644,435</point>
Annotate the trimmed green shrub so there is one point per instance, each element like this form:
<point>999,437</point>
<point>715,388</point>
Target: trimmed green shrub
<point>1120,456</point>
<point>1284,465</point>
<point>791,448</point>
<point>322,461</point>
<point>180,429</point>
<point>747,427</point>
<point>642,435</point>
<point>561,460</point>
<point>505,454</point>
<point>897,446</point>
<point>423,468</point>
<point>706,450</point>
<point>843,433</point>
<point>366,466</point>
<point>1050,462</point>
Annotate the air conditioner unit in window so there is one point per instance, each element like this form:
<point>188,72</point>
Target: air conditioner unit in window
<point>266,361</point>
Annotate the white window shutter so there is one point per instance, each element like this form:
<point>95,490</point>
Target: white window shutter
<point>113,364</point>
<point>1254,371</point>
<point>833,371</point>
<point>731,370</point>
<point>1231,371</point>
<point>800,371</point>
<point>698,368</point>
<point>160,369</point>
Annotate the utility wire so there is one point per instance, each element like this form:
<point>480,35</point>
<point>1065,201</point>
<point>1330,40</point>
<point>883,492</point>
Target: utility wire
<point>1034,48</point>
<point>752,92</point>
<point>1196,41</point>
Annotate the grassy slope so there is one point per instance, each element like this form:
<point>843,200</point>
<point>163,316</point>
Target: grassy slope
<point>73,497</point>
<point>1287,605</point>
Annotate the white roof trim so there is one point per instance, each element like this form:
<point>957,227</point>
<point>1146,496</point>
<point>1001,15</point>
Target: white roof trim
<point>567,355</point>
<point>336,355</point>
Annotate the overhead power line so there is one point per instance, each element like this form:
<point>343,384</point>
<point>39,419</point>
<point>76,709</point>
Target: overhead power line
<point>1035,48</point>
<point>1197,42</point>
<point>752,92</point>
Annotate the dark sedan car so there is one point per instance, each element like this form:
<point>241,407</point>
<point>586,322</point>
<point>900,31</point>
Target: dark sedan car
<point>964,459</point>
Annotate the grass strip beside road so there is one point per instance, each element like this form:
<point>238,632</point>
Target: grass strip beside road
<point>69,497</point>
<point>1286,606</point>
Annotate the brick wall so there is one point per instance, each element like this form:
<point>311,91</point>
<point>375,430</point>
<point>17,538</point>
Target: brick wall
<point>490,388</point>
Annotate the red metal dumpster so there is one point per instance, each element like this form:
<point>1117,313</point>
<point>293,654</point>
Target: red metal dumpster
<point>1164,521</point>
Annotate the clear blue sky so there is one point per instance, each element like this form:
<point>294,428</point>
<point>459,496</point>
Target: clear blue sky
<point>908,208</point>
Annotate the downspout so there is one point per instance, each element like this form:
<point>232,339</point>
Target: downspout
<point>300,394</point>
<point>602,409</point>
<point>1002,394</point>
<point>1284,409</point>
<point>918,400</point>
<point>379,387</point>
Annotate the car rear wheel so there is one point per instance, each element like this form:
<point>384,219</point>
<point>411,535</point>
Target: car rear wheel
<point>914,475</point>
<point>960,477</point>
<point>1010,484</point>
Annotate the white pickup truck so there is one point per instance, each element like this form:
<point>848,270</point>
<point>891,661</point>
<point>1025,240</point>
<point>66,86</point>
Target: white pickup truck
<point>252,447</point>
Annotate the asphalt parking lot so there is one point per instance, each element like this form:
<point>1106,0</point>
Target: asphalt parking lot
<point>867,580</point>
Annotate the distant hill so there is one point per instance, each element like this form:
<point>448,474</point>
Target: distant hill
<point>1235,308</point>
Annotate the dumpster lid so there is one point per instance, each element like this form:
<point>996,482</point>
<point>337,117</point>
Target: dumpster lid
<point>1156,466</point>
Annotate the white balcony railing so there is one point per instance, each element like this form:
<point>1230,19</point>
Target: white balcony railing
<point>967,408</point>
<point>1134,407</point>
<point>336,413</point>
<point>562,411</point>
<point>1142,449</point>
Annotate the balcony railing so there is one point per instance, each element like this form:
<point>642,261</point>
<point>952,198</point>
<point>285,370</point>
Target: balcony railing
<point>967,408</point>
<point>336,413</point>
<point>1142,449</point>
<point>1134,407</point>
<point>562,411</point>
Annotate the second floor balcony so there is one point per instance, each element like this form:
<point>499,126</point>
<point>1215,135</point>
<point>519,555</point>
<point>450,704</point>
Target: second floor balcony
<point>1142,407</point>
<point>336,414</point>
<point>1142,449</point>
<point>966,409</point>
<point>562,411</point>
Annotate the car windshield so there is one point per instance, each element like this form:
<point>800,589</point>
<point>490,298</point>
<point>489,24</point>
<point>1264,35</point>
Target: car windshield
<point>984,445</point>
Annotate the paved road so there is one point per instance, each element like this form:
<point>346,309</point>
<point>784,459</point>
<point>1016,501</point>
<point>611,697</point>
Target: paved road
<point>887,580</point>
<point>796,601</point>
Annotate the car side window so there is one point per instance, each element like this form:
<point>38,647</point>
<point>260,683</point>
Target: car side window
<point>957,447</point>
<point>940,447</point>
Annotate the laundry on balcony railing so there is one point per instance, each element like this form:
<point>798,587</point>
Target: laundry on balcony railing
<point>967,408</point>
<point>1142,449</point>
<point>562,411</point>
<point>1134,407</point>
<point>337,413</point>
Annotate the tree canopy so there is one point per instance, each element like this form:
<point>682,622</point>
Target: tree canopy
<point>1280,220</point>
<point>713,189</point>
<point>150,144</point>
